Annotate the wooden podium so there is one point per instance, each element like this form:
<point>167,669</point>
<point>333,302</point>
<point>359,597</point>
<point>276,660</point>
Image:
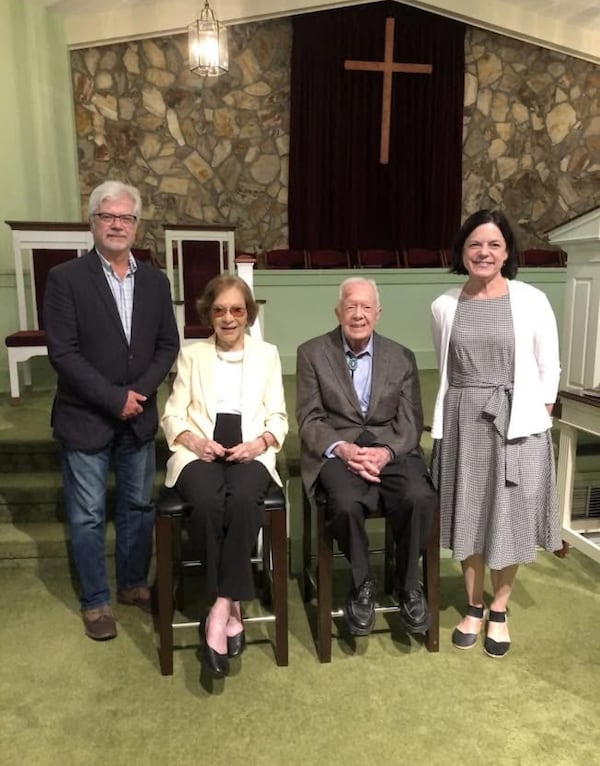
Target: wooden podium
<point>580,363</point>
<point>577,413</point>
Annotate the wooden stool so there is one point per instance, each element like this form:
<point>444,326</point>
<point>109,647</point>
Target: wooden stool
<point>322,583</point>
<point>170,510</point>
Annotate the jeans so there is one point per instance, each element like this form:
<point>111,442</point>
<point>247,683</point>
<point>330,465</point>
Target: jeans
<point>84,485</point>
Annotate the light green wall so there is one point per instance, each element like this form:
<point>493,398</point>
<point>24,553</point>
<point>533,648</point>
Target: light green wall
<point>38,162</point>
<point>299,304</point>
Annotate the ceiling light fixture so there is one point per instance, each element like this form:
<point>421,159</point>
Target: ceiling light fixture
<point>207,45</point>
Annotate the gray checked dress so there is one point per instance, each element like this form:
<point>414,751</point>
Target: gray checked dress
<point>497,496</point>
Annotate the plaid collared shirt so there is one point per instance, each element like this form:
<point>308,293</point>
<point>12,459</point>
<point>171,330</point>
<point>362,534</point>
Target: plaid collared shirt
<point>122,290</point>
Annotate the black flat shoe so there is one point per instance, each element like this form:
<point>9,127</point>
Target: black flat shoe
<point>468,640</point>
<point>236,644</point>
<point>496,649</point>
<point>217,664</point>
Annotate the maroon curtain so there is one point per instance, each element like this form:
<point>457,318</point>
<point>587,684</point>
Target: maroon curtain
<point>340,196</point>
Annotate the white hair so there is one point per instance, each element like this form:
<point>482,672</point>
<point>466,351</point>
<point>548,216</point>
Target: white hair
<point>113,190</point>
<point>347,283</point>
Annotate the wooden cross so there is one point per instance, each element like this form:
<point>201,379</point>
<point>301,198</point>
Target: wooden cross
<point>387,67</point>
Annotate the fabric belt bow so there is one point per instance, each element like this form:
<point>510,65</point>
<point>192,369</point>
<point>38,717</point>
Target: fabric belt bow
<point>497,410</point>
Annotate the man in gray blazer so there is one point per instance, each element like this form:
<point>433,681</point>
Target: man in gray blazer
<point>360,422</point>
<point>112,339</point>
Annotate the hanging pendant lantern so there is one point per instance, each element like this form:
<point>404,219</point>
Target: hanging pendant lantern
<point>207,45</point>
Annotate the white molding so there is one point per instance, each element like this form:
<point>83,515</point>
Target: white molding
<point>572,28</point>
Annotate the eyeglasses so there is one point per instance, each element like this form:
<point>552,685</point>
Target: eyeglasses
<point>236,311</point>
<point>109,218</point>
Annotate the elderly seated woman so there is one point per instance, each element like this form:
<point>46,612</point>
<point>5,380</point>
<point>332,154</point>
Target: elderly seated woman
<point>224,421</point>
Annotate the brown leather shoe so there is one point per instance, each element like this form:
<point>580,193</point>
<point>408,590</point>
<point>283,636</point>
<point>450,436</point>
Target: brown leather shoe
<point>140,597</point>
<point>99,623</point>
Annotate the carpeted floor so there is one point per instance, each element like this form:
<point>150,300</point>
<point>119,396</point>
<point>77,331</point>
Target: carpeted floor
<point>383,699</point>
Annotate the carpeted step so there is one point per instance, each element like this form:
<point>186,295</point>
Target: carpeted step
<point>31,457</point>
<point>43,455</point>
<point>37,497</point>
<point>24,543</point>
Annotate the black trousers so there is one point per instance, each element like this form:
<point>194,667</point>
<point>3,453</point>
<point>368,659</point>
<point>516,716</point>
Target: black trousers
<point>227,515</point>
<point>408,499</point>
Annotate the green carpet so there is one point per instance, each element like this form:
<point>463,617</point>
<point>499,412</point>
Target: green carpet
<point>382,700</point>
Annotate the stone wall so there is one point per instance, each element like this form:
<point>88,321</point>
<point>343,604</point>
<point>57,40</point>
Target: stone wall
<point>201,150</point>
<point>531,133</point>
<point>215,150</point>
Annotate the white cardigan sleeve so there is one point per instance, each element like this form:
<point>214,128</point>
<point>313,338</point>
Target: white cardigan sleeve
<point>443,310</point>
<point>545,348</point>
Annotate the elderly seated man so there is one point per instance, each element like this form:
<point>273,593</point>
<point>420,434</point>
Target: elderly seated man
<point>360,422</point>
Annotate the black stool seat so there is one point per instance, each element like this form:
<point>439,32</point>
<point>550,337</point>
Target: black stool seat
<point>171,504</point>
<point>274,499</point>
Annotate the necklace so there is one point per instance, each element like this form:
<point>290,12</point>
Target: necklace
<point>233,357</point>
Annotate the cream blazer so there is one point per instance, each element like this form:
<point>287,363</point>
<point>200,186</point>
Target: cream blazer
<point>537,364</point>
<point>191,405</point>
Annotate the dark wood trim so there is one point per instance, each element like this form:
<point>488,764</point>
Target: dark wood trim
<point>594,401</point>
<point>47,226</point>
<point>197,227</point>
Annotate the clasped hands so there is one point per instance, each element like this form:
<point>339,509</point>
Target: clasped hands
<point>133,405</point>
<point>366,462</point>
<point>209,450</point>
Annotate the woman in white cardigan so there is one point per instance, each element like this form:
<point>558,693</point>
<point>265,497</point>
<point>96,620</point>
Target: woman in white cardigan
<point>224,421</point>
<point>497,349</point>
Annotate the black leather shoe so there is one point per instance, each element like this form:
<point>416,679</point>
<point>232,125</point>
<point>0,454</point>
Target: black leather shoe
<point>414,611</point>
<point>236,644</point>
<point>217,664</point>
<point>359,609</point>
